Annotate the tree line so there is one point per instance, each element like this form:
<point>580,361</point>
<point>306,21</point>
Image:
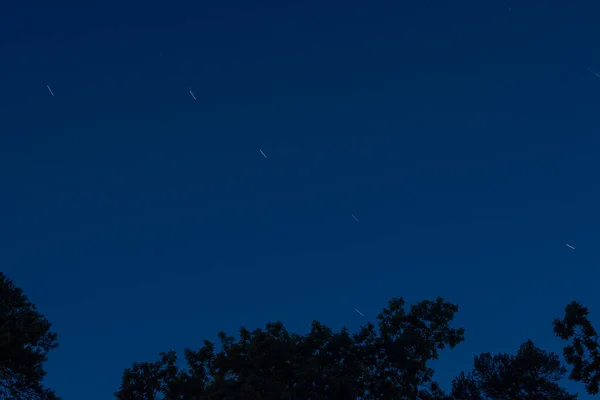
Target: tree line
<point>387,360</point>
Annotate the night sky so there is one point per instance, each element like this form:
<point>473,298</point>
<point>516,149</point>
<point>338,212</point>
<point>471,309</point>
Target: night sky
<point>463,135</point>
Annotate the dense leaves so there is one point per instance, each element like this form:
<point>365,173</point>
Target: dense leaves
<point>531,374</point>
<point>582,351</point>
<point>25,340</point>
<point>389,361</point>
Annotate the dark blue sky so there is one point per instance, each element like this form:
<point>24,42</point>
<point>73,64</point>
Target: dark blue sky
<point>463,136</point>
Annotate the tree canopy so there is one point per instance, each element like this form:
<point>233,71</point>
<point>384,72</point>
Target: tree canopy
<point>531,374</point>
<point>581,352</point>
<point>389,359</point>
<point>25,340</point>
<point>386,361</point>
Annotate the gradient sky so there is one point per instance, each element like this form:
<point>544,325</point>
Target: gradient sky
<point>463,136</point>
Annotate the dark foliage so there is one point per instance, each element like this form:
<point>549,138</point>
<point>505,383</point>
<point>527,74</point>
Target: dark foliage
<point>387,362</point>
<point>530,375</point>
<point>25,340</point>
<point>582,351</point>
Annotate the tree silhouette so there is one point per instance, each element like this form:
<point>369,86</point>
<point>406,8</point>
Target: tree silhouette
<point>582,351</point>
<point>387,362</point>
<point>531,374</point>
<point>25,340</point>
